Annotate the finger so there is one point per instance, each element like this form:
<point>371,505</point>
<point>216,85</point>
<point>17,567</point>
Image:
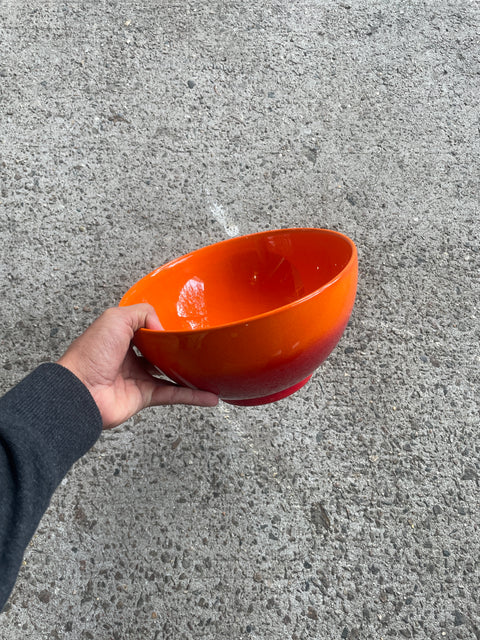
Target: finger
<point>166,392</point>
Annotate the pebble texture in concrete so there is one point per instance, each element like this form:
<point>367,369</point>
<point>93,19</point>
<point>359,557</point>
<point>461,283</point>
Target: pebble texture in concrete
<point>133,132</point>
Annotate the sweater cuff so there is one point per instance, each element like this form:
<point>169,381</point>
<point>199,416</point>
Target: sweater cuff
<point>59,417</point>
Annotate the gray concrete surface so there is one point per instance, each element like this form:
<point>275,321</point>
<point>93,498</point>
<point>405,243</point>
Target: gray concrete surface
<point>132,132</point>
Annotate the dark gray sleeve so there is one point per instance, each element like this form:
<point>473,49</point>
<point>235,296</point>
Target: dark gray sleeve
<point>47,422</point>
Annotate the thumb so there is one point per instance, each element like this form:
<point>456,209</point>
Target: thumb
<point>141,316</point>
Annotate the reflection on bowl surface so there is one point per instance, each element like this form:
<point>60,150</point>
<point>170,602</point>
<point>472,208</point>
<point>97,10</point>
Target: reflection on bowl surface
<point>246,317</point>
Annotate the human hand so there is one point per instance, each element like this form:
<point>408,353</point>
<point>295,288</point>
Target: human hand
<point>104,360</point>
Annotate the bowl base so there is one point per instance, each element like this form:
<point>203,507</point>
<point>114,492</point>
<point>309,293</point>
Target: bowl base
<point>274,397</point>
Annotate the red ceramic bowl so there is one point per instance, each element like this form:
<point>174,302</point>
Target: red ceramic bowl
<point>250,318</point>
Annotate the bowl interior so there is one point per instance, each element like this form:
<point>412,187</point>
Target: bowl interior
<point>241,278</point>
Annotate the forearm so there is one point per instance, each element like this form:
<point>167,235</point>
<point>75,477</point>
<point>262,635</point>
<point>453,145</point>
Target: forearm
<point>47,422</point>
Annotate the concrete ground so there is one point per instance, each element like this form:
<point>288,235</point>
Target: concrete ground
<point>133,132</point>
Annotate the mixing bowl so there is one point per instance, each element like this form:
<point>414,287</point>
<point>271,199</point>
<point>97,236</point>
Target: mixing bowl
<point>252,317</point>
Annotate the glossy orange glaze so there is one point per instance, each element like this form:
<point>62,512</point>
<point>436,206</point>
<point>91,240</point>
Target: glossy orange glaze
<point>250,317</point>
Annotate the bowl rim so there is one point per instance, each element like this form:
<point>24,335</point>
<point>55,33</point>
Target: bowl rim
<point>243,321</point>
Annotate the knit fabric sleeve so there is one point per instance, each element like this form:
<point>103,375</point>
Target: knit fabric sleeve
<point>47,422</point>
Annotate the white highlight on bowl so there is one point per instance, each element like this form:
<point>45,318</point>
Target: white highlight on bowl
<point>191,303</point>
